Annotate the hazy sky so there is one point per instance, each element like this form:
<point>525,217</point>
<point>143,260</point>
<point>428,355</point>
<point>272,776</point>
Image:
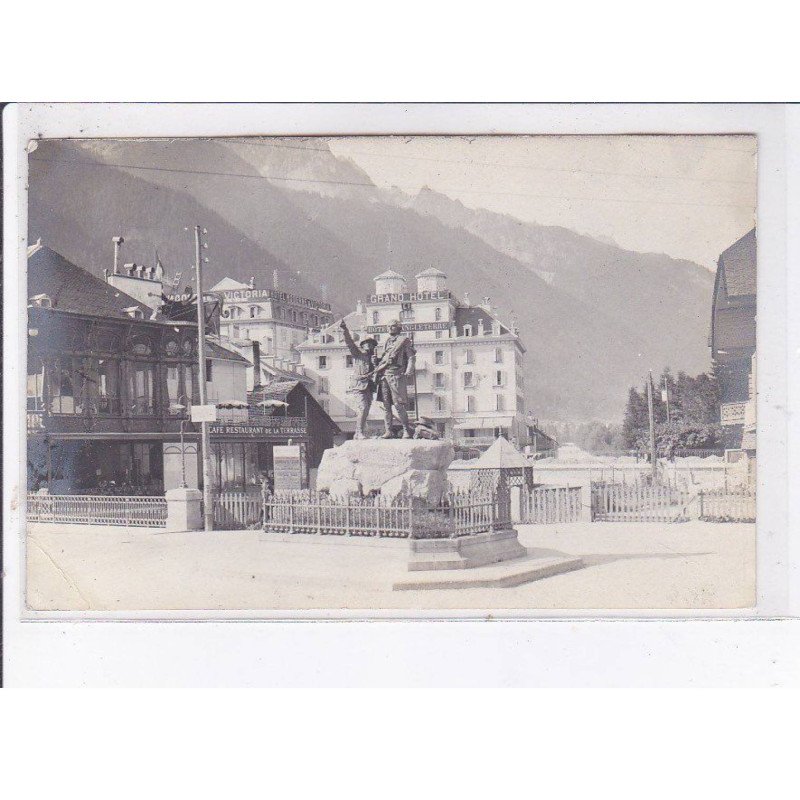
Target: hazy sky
<point>687,196</point>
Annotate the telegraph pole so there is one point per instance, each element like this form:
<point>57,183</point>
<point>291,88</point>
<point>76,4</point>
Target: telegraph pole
<point>666,398</point>
<point>205,434</point>
<point>652,425</point>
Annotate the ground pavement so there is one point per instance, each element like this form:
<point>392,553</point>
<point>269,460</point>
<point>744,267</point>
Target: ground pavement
<point>628,565</point>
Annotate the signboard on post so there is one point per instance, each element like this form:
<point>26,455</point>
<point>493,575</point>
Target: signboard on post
<point>288,465</point>
<point>206,413</point>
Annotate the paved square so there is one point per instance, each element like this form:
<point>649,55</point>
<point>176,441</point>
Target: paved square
<point>628,565</point>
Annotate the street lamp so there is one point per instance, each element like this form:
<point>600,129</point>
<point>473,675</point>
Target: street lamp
<point>178,407</point>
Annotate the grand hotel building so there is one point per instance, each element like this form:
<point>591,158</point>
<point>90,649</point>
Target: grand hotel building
<point>469,366</point>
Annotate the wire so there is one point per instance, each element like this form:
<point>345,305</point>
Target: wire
<point>515,166</point>
<point>456,191</point>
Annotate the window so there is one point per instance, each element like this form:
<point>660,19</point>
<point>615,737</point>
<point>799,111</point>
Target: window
<point>375,317</point>
<point>438,334</point>
<point>314,321</point>
<point>142,389</point>
<point>322,362</point>
<point>323,386</point>
<point>253,311</point>
<point>105,385</point>
<point>294,316</point>
<point>209,370</point>
<point>62,394</point>
<point>468,380</point>
<point>499,378</point>
<point>437,315</point>
<point>498,355</point>
<point>470,403</point>
<point>348,361</point>
<point>35,393</point>
<point>439,402</point>
<point>470,357</point>
<point>499,403</point>
<point>438,357</point>
<point>468,330</point>
<point>412,404</point>
<point>438,380</point>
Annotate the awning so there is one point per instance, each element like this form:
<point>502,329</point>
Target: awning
<point>483,422</point>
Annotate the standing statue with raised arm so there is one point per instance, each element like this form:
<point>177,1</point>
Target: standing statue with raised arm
<point>395,366</point>
<point>362,383</point>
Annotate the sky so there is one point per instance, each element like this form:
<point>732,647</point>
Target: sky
<point>687,196</point>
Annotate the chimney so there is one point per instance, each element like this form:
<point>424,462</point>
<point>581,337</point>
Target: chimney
<point>466,298</point>
<point>256,364</point>
<point>359,306</point>
<point>118,240</point>
<point>486,305</point>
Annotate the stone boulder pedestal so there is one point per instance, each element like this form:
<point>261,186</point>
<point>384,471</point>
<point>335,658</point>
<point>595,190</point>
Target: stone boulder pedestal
<point>417,467</point>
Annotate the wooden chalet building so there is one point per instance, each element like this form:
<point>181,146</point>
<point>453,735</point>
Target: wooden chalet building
<point>733,337</point>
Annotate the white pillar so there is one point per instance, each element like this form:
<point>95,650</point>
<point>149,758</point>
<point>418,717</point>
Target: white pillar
<point>184,510</point>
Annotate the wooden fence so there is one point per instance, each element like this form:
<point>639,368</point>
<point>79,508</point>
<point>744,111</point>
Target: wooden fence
<point>639,503</point>
<point>545,505</point>
<point>130,512</point>
<point>459,514</point>
<point>731,505</point>
<point>238,510</point>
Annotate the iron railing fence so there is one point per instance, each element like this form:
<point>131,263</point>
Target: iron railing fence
<point>458,514</point>
<point>130,512</point>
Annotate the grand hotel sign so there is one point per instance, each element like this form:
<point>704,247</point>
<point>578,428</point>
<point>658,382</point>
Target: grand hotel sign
<point>408,297</point>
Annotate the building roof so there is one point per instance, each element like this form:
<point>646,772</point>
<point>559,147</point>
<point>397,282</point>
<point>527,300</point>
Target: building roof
<point>390,273</point>
<point>229,283</point>
<point>738,265</point>
<point>502,454</point>
<point>73,289</point>
<point>431,272</point>
<point>278,390</point>
<point>214,350</point>
<point>469,315</point>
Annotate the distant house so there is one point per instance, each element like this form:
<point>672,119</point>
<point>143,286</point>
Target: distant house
<point>733,336</point>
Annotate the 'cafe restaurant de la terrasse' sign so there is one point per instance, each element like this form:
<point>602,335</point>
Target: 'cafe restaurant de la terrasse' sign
<point>280,427</point>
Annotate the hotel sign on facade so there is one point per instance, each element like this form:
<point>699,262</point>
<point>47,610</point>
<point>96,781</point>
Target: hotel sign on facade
<point>411,326</point>
<point>408,297</point>
<point>239,295</point>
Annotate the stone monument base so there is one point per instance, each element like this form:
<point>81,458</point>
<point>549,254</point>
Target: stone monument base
<point>417,467</point>
<point>465,552</point>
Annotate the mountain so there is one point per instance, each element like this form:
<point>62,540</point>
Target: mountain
<point>593,317</point>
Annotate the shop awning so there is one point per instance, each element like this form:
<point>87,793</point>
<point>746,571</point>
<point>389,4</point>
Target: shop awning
<point>483,422</point>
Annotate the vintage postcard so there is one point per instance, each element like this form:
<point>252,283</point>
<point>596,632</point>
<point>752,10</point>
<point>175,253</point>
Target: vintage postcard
<point>373,373</point>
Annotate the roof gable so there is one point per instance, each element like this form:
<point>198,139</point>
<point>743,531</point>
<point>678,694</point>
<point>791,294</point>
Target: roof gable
<point>73,289</point>
<point>738,266</point>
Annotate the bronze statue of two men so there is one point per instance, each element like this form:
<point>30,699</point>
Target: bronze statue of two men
<point>388,373</point>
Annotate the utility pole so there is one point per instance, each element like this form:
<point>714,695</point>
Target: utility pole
<point>205,433</point>
<point>666,398</point>
<point>652,425</point>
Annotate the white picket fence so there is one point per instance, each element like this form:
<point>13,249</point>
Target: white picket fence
<point>727,505</point>
<point>547,505</point>
<point>87,509</point>
<point>639,503</point>
<point>238,510</point>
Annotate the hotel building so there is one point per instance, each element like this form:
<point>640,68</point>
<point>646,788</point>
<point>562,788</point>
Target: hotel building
<point>469,364</point>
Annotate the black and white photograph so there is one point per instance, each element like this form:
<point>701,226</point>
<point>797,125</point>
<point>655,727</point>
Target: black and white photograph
<point>310,373</point>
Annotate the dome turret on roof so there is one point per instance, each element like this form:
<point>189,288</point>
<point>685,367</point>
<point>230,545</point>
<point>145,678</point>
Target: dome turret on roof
<point>390,273</point>
<point>431,272</point>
